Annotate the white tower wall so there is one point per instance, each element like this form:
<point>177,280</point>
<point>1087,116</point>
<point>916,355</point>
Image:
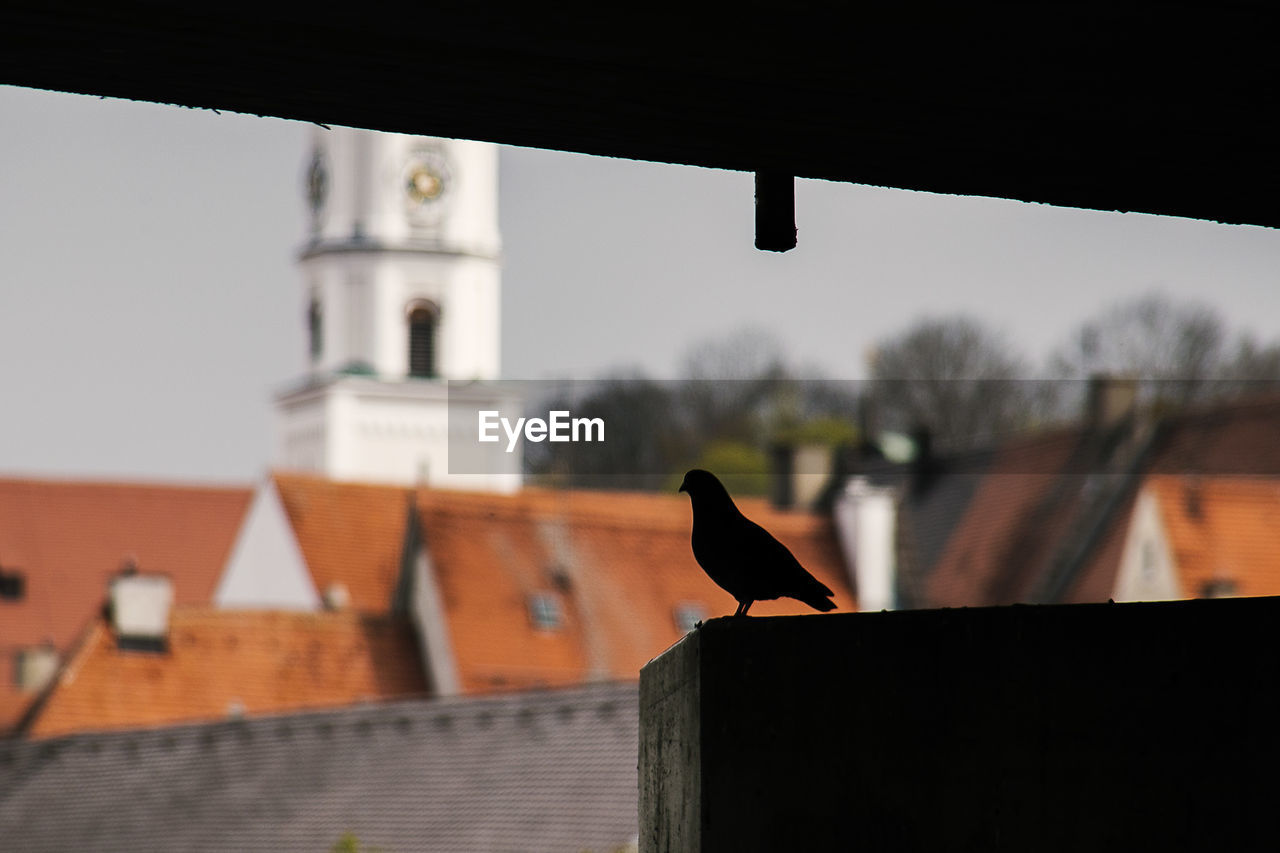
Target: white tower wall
<point>397,222</point>
<point>366,296</point>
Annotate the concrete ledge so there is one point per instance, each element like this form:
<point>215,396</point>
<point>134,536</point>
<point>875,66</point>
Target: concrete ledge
<point>1084,727</point>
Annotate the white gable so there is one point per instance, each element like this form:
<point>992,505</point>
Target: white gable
<point>266,568</point>
<point>1147,570</point>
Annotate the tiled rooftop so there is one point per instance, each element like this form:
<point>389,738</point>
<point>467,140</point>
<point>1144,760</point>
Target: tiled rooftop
<point>67,538</point>
<point>349,533</point>
<point>529,772</point>
<point>1057,503</point>
<point>1223,531</point>
<point>616,565</point>
<point>225,663</point>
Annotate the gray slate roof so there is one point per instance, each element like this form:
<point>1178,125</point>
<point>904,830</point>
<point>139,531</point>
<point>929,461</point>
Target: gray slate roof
<point>536,771</point>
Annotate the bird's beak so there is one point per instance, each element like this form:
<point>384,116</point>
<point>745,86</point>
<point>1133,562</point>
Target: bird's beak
<point>684,486</point>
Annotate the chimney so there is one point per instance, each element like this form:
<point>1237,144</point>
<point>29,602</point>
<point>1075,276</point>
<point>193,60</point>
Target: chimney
<point>337,596</point>
<point>1111,400</point>
<point>140,605</point>
<point>36,667</point>
<point>781,488</point>
<point>925,466</point>
<point>866,518</point>
<point>801,473</point>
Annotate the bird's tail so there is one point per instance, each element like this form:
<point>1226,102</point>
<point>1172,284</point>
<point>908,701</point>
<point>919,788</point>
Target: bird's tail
<point>817,596</point>
<point>818,602</point>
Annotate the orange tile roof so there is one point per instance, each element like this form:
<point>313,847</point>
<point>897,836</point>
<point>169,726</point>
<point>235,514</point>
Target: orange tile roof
<point>1009,526</point>
<point>1023,514</point>
<point>1222,529</point>
<point>349,533</point>
<point>68,538</point>
<point>619,564</point>
<point>255,662</point>
<point>1096,580</point>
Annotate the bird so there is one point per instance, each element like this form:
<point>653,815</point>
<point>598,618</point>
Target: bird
<point>741,556</point>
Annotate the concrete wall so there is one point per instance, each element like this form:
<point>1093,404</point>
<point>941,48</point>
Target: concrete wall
<point>1085,727</point>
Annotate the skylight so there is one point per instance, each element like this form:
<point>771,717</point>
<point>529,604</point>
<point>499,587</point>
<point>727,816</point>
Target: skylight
<point>544,610</point>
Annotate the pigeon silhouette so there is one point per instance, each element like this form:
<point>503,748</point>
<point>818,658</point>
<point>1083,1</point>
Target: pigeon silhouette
<point>741,556</point>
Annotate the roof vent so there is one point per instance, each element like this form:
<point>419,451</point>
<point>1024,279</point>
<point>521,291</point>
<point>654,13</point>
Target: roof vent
<point>140,605</point>
<point>337,596</point>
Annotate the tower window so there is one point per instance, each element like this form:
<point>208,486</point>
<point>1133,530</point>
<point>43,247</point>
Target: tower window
<point>315,328</point>
<point>423,319</point>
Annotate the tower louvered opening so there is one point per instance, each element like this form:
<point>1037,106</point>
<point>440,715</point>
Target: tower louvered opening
<point>423,320</point>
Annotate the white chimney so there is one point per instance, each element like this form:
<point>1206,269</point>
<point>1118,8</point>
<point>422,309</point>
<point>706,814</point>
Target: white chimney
<point>140,605</point>
<point>866,518</point>
<point>337,596</point>
<point>37,665</point>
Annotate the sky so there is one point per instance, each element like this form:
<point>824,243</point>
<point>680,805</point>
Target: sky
<point>150,308</point>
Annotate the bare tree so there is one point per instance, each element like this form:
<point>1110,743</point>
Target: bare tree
<point>746,354</point>
<point>732,384</point>
<point>1174,348</point>
<point>1254,362</point>
<point>954,377</point>
<point>739,397</point>
<point>643,446</point>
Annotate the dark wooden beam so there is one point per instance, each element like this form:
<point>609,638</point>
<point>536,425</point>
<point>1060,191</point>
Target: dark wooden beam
<point>775,211</point>
<point>1148,106</point>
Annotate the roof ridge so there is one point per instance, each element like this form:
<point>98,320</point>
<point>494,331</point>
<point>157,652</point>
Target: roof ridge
<point>59,481</point>
<point>268,613</point>
<point>493,704</point>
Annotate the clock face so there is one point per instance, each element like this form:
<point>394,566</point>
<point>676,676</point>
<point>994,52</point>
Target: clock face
<point>426,182</point>
<point>317,184</point>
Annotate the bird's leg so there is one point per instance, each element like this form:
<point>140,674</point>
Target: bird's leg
<point>746,605</point>
<point>738,612</point>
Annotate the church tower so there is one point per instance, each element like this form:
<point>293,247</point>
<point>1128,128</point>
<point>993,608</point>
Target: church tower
<point>401,282</point>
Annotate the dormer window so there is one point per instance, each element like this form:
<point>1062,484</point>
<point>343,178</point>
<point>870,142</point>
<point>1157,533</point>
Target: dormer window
<point>424,317</point>
<point>1219,588</point>
<point>12,585</point>
<point>544,612</point>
